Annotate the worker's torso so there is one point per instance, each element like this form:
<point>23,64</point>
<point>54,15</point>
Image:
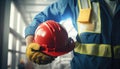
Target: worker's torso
<point>98,43</point>
<point>108,28</point>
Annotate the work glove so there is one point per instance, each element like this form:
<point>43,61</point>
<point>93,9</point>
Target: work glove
<point>34,54</point>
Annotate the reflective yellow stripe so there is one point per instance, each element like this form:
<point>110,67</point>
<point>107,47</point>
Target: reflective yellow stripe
<point>117,51</point>
<point>102,50</point>
<point>79,4</point>
<point>99,19</point>
<point>97,23</point>
<point>93,49</point>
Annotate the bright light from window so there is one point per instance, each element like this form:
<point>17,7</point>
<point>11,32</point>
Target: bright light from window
<point>18,23</point>
<point>67,24</point>
<point>12,15</point>
<point>23,48</point>
<point>10,41</point>
<point>17,45</point>
<point>9,58</point>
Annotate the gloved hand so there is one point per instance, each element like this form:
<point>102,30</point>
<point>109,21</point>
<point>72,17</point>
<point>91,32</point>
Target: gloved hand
<point>34,54</point>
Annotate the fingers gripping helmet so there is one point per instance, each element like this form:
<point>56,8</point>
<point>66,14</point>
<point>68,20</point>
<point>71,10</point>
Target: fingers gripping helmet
<point>53,39</point>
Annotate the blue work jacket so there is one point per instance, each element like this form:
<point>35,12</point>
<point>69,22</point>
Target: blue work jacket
<point>110,32</point>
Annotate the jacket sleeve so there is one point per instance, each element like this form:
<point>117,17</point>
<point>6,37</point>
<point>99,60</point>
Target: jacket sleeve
<point>52,12</point>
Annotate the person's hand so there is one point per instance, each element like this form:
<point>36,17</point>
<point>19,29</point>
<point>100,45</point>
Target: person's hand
<point>34,54</point>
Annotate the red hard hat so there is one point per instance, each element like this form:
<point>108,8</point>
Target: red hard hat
<point>53,39</point>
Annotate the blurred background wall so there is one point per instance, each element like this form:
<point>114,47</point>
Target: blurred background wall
<point>15,16</point>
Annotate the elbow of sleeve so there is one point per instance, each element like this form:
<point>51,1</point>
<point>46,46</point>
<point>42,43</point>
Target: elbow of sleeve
<point>29,31</point>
